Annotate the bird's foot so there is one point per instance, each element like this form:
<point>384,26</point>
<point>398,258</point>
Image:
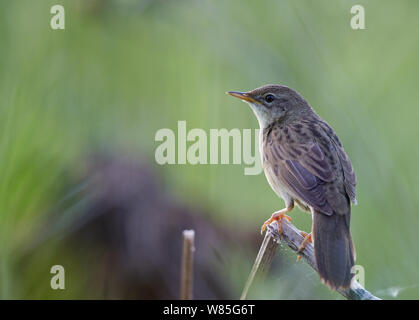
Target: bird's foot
<point>307,238</point>
<point>277,216</point>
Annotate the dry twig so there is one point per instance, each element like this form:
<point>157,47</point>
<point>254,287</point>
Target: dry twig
<point>293,238</point>
<point>187,265</point>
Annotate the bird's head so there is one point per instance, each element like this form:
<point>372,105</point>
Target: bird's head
<point>273,102</point>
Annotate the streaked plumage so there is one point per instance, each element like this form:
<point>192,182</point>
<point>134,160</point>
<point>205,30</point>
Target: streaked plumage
<point>305,163</point>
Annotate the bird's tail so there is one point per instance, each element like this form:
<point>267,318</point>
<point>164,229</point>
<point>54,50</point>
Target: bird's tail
<point>333,249</point>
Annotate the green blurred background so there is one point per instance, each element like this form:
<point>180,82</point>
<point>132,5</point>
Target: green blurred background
<point>121,70</point>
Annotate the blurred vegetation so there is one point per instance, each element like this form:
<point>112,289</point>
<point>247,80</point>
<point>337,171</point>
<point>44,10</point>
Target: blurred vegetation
<point>121,70</point>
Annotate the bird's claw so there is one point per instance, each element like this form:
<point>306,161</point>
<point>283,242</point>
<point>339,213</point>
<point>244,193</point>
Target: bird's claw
<point>276,216</point>
<point>307,238</point>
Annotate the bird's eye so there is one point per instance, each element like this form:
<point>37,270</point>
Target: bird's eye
<point>269,98</point>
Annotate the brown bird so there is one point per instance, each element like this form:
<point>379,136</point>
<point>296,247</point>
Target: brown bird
<point>305,164</point>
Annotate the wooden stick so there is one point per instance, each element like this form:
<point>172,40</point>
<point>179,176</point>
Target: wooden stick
<point>186,280</point>
<point>293,238</point>
<point>262,263</point>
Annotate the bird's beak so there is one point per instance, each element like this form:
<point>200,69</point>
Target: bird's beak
<point>242,95</point>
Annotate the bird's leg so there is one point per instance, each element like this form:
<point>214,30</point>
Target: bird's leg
<point>277,216</point>
<point>307,238</point>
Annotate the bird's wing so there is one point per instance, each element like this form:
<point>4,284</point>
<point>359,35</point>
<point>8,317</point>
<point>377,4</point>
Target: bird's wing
<point>348,171</point>
<point>304,169</point>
